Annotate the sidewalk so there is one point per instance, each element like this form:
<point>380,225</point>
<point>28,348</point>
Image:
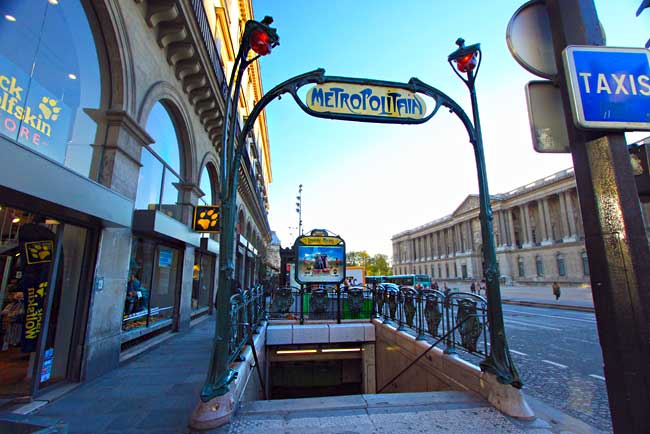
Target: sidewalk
<point>542,296</point>
<point>155,393</point>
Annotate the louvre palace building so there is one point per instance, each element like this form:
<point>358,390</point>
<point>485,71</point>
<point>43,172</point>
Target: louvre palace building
<point>538,235</point>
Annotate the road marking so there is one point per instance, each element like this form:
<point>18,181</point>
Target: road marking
<point>517,352</point>
<point>593,321</point>
<point>508,320</point>
<point>559,365</point>
<point>598,377</point>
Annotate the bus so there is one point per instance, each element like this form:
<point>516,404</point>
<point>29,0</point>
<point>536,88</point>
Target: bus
<point>402,280</point>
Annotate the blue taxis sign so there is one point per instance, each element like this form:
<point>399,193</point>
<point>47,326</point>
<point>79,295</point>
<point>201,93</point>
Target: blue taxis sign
<point>609,87</point>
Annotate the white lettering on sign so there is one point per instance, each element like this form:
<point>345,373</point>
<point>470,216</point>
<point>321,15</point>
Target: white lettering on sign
<point>616,84</point>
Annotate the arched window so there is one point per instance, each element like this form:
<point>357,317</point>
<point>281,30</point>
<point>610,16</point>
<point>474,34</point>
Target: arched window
<point>585,263</point>
<point>206,184</point>
<point>160,173</point>
<point>49,78</point>
<point>521,267</point>
<point>561,267</point>
<point>539,265</point>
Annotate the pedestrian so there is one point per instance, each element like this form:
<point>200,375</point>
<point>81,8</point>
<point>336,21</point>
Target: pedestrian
<point>482,287</point>
<point>445,289</point>
<point>472,287</point>
<point>556,290</point>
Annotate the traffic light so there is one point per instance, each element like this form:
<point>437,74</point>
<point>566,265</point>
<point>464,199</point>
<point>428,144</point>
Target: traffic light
<point>644,5</point>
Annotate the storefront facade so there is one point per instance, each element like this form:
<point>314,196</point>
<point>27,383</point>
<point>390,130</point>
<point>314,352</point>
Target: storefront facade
<point>107,148</point>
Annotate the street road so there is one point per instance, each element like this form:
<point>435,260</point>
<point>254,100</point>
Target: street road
<point>559,359</point>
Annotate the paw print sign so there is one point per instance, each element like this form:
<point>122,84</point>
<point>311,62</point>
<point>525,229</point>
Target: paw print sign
<point>38,252</point>
<point>206,219</point>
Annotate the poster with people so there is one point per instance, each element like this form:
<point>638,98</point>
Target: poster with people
<point>320,259</point>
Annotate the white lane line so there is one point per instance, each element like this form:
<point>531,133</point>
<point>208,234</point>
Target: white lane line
<point>551,316</point>
<point>512,321</point>
<point>559,365</point>
<point>598,377</point>
<point>517,352</point>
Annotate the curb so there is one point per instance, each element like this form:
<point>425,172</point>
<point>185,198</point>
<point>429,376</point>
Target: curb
<point>549,305</point>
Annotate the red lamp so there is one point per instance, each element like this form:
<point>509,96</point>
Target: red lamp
<point>260,42</point>
<point>467,63</point>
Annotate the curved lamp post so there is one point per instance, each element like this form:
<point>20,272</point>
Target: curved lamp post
<point>465,62</point>
<point>260,38</point>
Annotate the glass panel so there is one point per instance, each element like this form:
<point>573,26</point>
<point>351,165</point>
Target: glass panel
<point>161,128</point>
<point>165,285</point>
<point>59,337</point>
<point>18,19</point>
<point>169,204</point>
<point>47,84</point>
<point>136,304</point>
<point>149,181</point>
<point>24,288</point>
<point>202,280</point>
<point>206,187</point>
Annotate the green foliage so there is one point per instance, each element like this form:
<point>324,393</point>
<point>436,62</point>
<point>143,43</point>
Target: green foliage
<point>376,265</point>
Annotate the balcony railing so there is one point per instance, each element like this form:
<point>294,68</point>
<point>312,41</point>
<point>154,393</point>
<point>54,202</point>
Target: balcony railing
<point>210,45</point>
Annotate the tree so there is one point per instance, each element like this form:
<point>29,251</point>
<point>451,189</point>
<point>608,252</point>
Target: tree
<point>357,258</point>
<point>376,265</point>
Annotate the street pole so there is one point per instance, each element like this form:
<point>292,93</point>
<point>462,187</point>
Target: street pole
<point>259,37</point>
<point>299,209</point>
<point>498,362</point>
<point>615,236</point>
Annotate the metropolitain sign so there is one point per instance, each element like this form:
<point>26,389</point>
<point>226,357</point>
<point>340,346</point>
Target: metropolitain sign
<point>351,100</point>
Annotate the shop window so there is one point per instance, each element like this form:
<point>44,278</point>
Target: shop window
<point>539,265</point>
<point>585,263</point>
<point>447,270</point>
<point>28,251</point>
<point>152,286</point>
<point>202,281</point>
<point>561,267</point>
<point>159,175</point>
<point>521,267</point>
<point>49,78</point>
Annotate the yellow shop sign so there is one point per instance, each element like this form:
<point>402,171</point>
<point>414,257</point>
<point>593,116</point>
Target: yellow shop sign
<point>320,241</point>
<point>365,100</point>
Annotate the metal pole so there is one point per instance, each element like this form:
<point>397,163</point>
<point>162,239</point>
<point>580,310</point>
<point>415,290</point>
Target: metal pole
<point>219,372</point>
<point>498,362</point>
<point>615,237</point>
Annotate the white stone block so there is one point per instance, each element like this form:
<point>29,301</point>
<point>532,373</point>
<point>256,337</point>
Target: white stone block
<point>369,332</point>
<point>311,334</point>
<point>347,333</point>
<point>281,334</point>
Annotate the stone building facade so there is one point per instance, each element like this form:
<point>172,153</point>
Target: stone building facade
<point>111,116</point>
<point>538,232</point>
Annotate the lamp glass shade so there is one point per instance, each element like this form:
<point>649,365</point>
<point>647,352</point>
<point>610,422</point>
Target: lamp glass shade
<point>467,63</point>
<point>260,42</point>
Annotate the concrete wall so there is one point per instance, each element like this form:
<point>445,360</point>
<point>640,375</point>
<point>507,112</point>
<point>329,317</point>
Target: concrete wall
<point>437,371</point>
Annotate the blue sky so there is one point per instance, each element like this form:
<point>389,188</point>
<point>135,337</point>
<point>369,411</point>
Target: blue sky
<point>367,182</point>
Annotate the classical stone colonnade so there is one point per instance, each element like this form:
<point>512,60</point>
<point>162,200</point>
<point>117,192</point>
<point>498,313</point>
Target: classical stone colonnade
<point>538,234</point>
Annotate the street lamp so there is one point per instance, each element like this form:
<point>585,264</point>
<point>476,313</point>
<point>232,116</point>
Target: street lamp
<point>215,407</point>
<point>299,209</point>
<point>465,62</point>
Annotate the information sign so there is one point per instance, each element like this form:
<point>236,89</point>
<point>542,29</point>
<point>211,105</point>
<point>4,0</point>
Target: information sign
<point>320,259</point>
<point>609,87</point>
<point>206,219</point>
